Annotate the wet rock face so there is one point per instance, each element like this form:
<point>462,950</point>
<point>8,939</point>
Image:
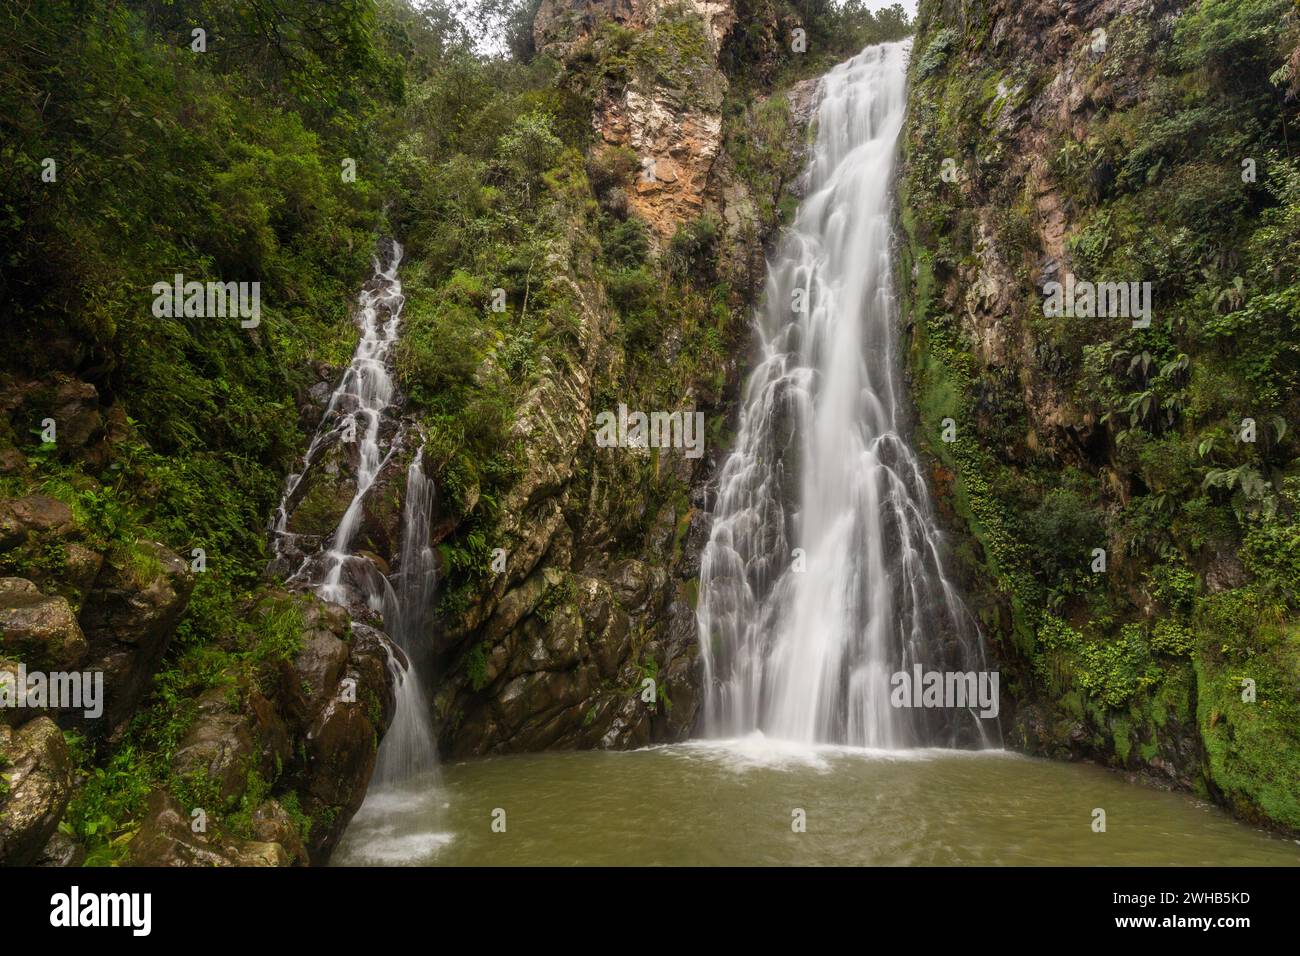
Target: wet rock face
<point>333,702</point>
<point>575,659</point>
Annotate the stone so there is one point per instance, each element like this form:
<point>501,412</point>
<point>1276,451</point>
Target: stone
<point>166,839</point>
<point>62,850</point>
<point>33,515</point>
<point>218,745</point>
<point>37,768</point>
<point>129,621</point>
<point>38,629</point>
<point>12,461</point>
<point>271,823</point>
<point>76,410</point>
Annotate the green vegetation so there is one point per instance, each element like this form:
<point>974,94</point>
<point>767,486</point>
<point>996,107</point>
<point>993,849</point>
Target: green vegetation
<point>238,652</point>
<point>1172,447</point>
<point>761,53</point>
<point>135,153</point>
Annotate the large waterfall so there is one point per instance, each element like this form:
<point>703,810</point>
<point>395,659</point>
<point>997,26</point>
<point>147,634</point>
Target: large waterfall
<point>823,575</point>
<point>361,416</point>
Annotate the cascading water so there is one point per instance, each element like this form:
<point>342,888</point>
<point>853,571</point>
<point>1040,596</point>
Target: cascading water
<point>823,573</point>
<point>408,747</point>
<point>360,413</point>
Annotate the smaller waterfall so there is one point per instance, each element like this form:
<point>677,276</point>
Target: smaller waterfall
<point>408,747</point>
<point>357,413</point>
<point>361,411</point>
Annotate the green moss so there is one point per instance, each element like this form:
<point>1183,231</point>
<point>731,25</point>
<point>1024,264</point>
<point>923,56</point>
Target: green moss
<point>143,566</point>
<point>1252,747</point>
<point>1122,739</point>
<point>557,598</point>
<point>1164,484</point>
<point>5,764</point>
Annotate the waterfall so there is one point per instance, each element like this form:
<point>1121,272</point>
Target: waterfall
<point>361,411</point>
<point>409,747</point>
<point>823,574</point>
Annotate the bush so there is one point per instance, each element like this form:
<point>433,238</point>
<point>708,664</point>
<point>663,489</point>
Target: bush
<point>692,253</point>
<point>1062,532</point>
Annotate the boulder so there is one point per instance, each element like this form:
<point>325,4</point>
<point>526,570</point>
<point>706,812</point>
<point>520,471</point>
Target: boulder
<point>219,745</point>
<point>62,850</point>
<point>37,515</point>
<point>41,541</point>
<point>38,629</point>
<point>272,824</point>
<point>76,412</point>
<point>166,838</point>
<point>37,772</point>
<point>129,618</point>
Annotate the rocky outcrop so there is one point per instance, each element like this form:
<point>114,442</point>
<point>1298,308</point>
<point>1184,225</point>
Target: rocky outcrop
<point>129,617</point>
<point>666,106</point>
<point>35,786</point>
<point>305,722</point>
<point>39,629</point>
<point>82,610</point>
<point>41,541</point>
<point>1092,140</point>
<point>555,647</point>
<point>167,837</point>
<point>583,633</point>
<point>77,612</point>
<point>304,730</point>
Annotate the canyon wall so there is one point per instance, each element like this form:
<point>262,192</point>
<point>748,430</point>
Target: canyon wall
<point>1123,497</point>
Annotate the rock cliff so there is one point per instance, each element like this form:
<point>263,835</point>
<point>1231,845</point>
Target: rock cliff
<point>583,633</point>
<point>297,700</point>
<point>1124,528</point>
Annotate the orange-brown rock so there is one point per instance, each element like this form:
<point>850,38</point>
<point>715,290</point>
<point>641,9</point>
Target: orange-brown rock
<point>669,112</point>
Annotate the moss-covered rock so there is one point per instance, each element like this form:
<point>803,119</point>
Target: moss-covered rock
<point>35,785</point>
<point>1100,155</point>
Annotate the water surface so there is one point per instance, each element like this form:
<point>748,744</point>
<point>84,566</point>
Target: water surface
<point>731,803</point>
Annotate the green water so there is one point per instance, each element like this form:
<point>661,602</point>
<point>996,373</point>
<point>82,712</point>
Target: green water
<point>707,803</point>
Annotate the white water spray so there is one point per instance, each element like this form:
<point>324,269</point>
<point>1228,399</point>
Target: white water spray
<point>361,411</point>
<point>801,644</point>
<point>409,748</point>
